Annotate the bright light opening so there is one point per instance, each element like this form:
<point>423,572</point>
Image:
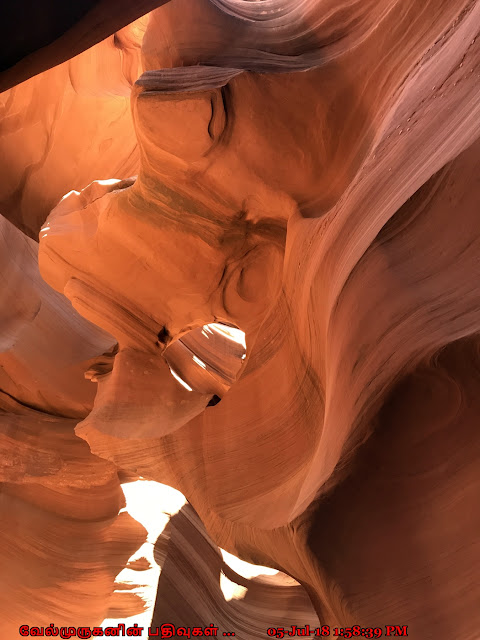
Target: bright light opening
<point>179,379</point>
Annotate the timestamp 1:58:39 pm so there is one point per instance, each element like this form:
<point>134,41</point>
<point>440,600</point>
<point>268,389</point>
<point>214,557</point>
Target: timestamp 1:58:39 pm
<point>326,631</point>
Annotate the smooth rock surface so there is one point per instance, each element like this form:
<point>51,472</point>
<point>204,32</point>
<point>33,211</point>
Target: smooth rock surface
<point>303,176</point>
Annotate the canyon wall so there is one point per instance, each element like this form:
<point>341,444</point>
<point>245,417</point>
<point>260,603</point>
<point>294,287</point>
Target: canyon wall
<point>259,246</point>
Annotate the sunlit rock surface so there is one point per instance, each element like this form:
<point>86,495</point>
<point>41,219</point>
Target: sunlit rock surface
<point>62,539</point>
<point>68,126</point>
<point>269,209</point>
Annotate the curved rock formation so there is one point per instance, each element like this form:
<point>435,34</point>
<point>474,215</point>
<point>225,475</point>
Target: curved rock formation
<point>62,539</point>
<point>68,126</point>
<point>248,606</point>
<point>53,33</point>
<point>307,175</point>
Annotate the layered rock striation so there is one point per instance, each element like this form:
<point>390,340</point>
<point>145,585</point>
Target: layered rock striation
<point>280,249</point>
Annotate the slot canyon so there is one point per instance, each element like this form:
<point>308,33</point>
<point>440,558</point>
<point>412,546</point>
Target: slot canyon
<point>240,319</point>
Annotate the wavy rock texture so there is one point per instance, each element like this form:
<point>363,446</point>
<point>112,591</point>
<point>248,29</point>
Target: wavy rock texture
<point>45,345</point>
<point>62,539</point>
<point>308,174</point>
<point>192,564</point>
<point>68,126</point>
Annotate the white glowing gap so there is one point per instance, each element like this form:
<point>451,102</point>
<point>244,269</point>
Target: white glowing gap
<point>182,382</point>
<point>70,193</point>
<point>246,569</point>
<point>231,590</point>
<point>237,335</point>
<point>109,181</point>
<point>206,329</point>
<point>199,362</point>
<point>142,497</point>
<point>43,232</point>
